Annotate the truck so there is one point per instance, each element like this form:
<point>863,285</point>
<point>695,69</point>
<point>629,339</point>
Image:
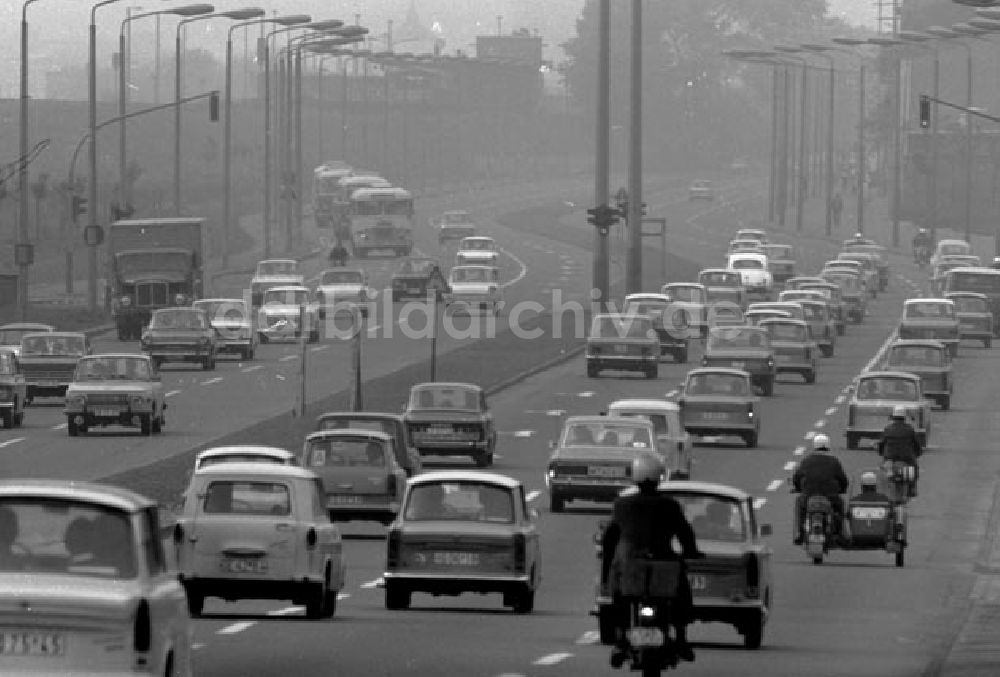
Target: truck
<point>153,263</point>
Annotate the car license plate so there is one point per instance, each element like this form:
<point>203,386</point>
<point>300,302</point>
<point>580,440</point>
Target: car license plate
<point>606,471</point>
<point>244,565</point>
<point>107,411</point>
<point>621,349</point>
<point>456,559</point>
<point>639,638</point>
<point>13,643</point>
<point>698,581</point>
<point>738,364</point>
<point>715,415</point>
<point>439,429</point>
<point>344,499</point>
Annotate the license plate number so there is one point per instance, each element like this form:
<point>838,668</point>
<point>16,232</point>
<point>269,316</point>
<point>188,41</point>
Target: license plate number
<point>456,559</point>
<point>714,415</point>
<point>107,411</point>
<point>738,364</point>
<point>345,500</point>
<point>698,581</point>
<point>244,566</point>
<point>32,644</point>
<point>645,637</point>
<point>605,471</point>
<point>621,349</point>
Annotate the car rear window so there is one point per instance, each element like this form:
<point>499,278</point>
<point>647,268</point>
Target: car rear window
<point>916,355</point>
<point>247,498</point>
<point>712,517</point>
<point>717,384</point>
<point>887,389</point>
<point>346,453</point>
<point>786,332</point>
<point>929,310</point>
<point>978,282</point>
<point>966,304</point>
<point>607,435</point>
<point>460,501</point>
<point>239,458</point>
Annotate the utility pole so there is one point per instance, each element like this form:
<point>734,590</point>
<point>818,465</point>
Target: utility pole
<point>603,140</point>
<point>634,267</point>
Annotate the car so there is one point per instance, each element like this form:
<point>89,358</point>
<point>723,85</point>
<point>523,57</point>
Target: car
<point>780,261</point>
<point>870,265</point>
<point>123,389</point>
<point>756,316</point>
<point>851,293</point>
<point>851,266</point>
<point>749,246</point>
<point>723,286</point>
<point>746,348</point>
<point>418,277</point>
<point>834,298</point>
<point>673,444</point>
<point>87,588</point>
<point>180,335</point>
<point>925,318</point>
<point>11,334</point>
<point>474,287</point>
<point>792,308</point>
<point>752,267</point>
<point>979,280</point>
<point>232,322</point>
<point>752,234</point>
<point>592,460</point>
<point>950,248</point>
<point>793,283</point>
<point>623,343</point>
<point>244,453</point>
<point>939,272</point>
<point>477,250</point>
<point>287,313</point>
<point>928,359</point>
<point>725,316</point>
<point>455,225</point>
<point>451,419</point>
<point>48,361</point>
<point>718,401</point>
<point>733,583</point>
<point>882,262</point>
<point>359,472</point>
<point>671,323</point>
<point>975,321</point>
<point>343,289</point>
<point>393,425</point>
<point>794,348</point>
<point>258,531</point>
<point>875,394</point>
<point>821,324</point>
<point>692,298</point>
<point>274,273</point>
<point>464,531</point>
<point>796,295</point>
<point>13,390</point>
<point>701,189</point>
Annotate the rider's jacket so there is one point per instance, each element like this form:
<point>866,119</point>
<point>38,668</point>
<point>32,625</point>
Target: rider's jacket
<point>645,525</point>
<point>899,443</point>
<point>820,475</point>
<point>922,241</point>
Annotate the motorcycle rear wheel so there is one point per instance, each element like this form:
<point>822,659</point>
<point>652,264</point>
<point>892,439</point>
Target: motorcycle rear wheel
<point>817,559</point>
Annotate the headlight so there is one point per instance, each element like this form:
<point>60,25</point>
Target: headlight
<point>126,301</point>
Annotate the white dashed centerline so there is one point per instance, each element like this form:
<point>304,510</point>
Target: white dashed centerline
<point>171,393</point>
<point>840,399</point>
<point>368,585</point>
<point>791,465</point>
<point>819,424</point>
<point>236,627</point>
<point>552,658</point>
<point>286,358</point>
<point>59,426</point>
<point>798,451</point>
<point>253,368</point>
<point>13,440</point>
<point>831,411</point>
<point>774,485</point>
<point>211,381</point>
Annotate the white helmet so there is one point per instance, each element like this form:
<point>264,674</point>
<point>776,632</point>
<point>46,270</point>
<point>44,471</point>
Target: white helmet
<point>899,411</point>
<point>821,443</point>
<point>647,468</point>
<point>869,480</point>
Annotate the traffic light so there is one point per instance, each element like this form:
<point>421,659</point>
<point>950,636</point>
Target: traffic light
<point>213,107</point>
<point>78,206</point>
<point>925,111</point>
<point>603,217</point>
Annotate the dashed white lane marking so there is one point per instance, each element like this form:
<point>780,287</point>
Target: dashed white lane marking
<point>798,451</point>
<point>317,349</point>
<point>809,435</point>
<point>524,433</point>
<point>13,440</point>
<point>671,393</point>
<point>284,612</point>
<point>758,503</point>
<point>171,393</point>
<point>820,423</point>
<point>253,368</point>
<point>211,381</point>
<point>831,411</point>
<point>368,585</point>
<point>286,358</point>
<point>236,627</point>
<point>555,412</point>
<point>840,399</point>
<point>552,658</point>
<point>532,495</point>
<point>343,595</point>
<point>587,393</point>
<point>774,485</point>
<point>791,465</point>
<point>589,637</point>
<point>59,426</point>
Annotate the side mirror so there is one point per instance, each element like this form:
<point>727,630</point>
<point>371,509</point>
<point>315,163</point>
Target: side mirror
<point>765,530</point>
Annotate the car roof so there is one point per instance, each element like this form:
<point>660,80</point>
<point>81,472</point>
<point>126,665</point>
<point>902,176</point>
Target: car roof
<point>718,370</point>
<point>249,468</point>
<point>932,299</point>
<point>473,266</point>
<point>718,270</point>
<point>967,294</point>
<point>29,325</point>
<point>456,212</point>
<point>350,432</point>
<point>886,373</point>
<point>639,403</point>
<point>955,241</point>
<point>446,384</point>
<point>245,449</point>
<point>477,237</point>
<point>767,311</point>
<point>57,334</point>
<point>688,486</point>
<point>979,270</point>
<point>748,255</point>
<point>769,305</point>
<point>698,285</point>
<point>218,300</point>
<point>785,320</point>
<point>619,316</point>
<point>293,261</point>
<point>360,415</point>
<point>918,343</point>
<point>647,296</point>
<point>466,476</point>
<point>625,420</point>
<point>90,492</point>
<point>373,193</point>
<point>173,309</point>
<point>360,271</point>
<point>288,287</point>
<point>143,356</point>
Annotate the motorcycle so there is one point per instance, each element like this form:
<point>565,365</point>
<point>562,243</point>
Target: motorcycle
<point>648,585</point>
<point>900,481</point>
<point>921,256</point>
<point>818,527</point>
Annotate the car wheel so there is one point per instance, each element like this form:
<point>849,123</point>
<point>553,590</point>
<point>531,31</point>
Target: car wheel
<point>8,418</point>
<point>262,338</point>
<point>483,459</point>
<point>248,354</point>
<point>817,559</point>
<point>557,503</point>
<point>18,418</point>
<point>944,402</point>
<point>606,627</point>
<point>827,351</point>
<point>922,439</point>
<point>330,604</point>
<point>767,386</point>
<point>751,439</point>
<point>593,371</point>
<point>810,376</point>
<point>316,601</point>
<point>753,632</point>
<point>209,364</point>
<point>146,424</point>
<point>524,601</point>
<point>396,597</point>
<point>900,558</point>
<point>196,604</point>
<point>157,425</point>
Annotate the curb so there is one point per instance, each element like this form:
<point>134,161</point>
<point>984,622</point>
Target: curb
<point>538,368</point>
<point>988,550</point>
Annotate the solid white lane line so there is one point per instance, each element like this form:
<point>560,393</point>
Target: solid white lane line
<point>774,485</point>
<point>831,411</point>
<point>589,637</point>
<point>13,440</point>
<point>532,495</point>
<point>253,368</point>
<point>371,584</point>
<point>791,465</point>
<point>552,658</point>
<point>286,358</point>
<point>211,381</point>
<point>236,627</point>
<point>171,393</point>
<point>840,399</point>
<point>798,451</point>
<point>60,426</point>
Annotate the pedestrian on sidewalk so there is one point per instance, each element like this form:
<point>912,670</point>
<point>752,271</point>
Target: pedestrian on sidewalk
<point>836,208</point>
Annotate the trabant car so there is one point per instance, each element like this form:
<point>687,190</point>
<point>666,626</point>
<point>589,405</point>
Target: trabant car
<point>834,298</point>
<point>980,280</point>
<point>592,461</point>
<point>928,359</point>
<point>474,287</point>
<point>780,261</point>
<point>670,322</point>
<point>359,473</point>
<point>702,189</point>
<point>745,246</point>
<point>930,319</point>
<point>673,444</point>
<point>856,267</point>
<point>232,322</point>
<point>85,586</point>
<point>393,425</point>
<point>882,261</point>
<point>757,315</point>
<point>746,348</point>
<point>462,531</point>
<point>451,419</point>
<point>939,272</point>
<point>975,321</point>
<point>624,343</point>
<point>715,401</point>
<point>259,531</point>
<point>869,262</point>
<point>751,234</point>
<point>48,361</point>
<point>418,277</point>
<point>733,584</point>
<point>180,335</point>
<point>949,248</point>
<point>274,273</point>
<point>13,390</point>
<point>792,308</point>
<point>723,285</point>
<point>282,312</point>
<point>11,334</point>
<point>455,225</point>
<point>115,389</point>
<point>692,298</point>
<point>851,292</point>
<point>343,288</point>
<point>752,267</point>
<point>875,394</point>
<point>795,349</point>
<point>821,324</point>
<point>477,250</point>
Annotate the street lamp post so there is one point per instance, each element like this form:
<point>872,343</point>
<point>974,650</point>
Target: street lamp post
<point>828,164</point>
<point>972,32</point>
<point>800,176</point>
<point>862,168</point>
<point>932,147</point>
<point>23,263</point>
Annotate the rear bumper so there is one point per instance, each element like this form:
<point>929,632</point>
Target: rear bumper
<point>233,589</point>
<point>454,584</point>
<point>448,448</point>
<point>570,489</point>
<point>624,362</point>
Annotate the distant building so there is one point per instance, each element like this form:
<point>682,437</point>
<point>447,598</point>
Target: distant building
<point>417,38</point>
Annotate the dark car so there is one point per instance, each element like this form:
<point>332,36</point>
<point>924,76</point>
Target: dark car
<point>746,348</point>
<point>48,361</point>
<point>418,277</point>
<point>451,419</point>
<point>391,424</point>
<point>180,335</point>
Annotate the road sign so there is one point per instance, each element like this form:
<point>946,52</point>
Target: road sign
<point>93,235</point>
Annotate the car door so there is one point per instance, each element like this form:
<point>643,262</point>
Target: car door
<point>487,417</point>
<point>329,546</point>
<point>533,542</point>
<point>167,600</point>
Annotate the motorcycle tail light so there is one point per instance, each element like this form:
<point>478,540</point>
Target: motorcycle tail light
<point>394,541</point>
<point>520,552</point>
<point>753,575</point>
<point>142,631</point>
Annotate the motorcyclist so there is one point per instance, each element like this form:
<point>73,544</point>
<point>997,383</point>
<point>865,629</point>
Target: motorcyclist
<point>899,442</point>
<point>819,474</point>
<point>643,525</point>
<point>859,238</point>
<point>338,254</point>
<point>869,490</point>
<point>922,244</point>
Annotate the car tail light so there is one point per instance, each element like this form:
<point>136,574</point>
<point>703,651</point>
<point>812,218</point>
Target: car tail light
<point>394,540</point>
<point>520,552</point>
<point>142,632</point>
<point>850,415</point>
<point>753,575</point>
<point>311,538</point>
<point>390,485</point>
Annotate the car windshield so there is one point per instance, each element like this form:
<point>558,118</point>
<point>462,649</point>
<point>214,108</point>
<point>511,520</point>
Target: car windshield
<point>631,326</point>
<point>738,337</point>
<point>461,501</point>
<point>618,435</point>
<point>229,310</point>
<point>178,319</point>
<point>52,535</point>
<point>916,356</point>
<point>417,266</point>
<point>717,384</point>
<point>720,279</point>
<point>342,277</point>
<point>713,518</point>
<point>345,451</point>
<point>68,346</point>
<point>986,283</point>
<point>747,264</point>
<point>286,297</point>
<point>472,275</point>
<point>887,388</point>
<point>825,291</point>
<point>242,497</point>
<point>778,251</point>
<point>686,294</point>
<point>265,268</point>
<point>659,421</point>
<point>784,331</point>
<point>444,397</point>
<point>477,245</point>
<point>456,218</point>
<point>12,337</point>
<point>814,312</point>
<point>933,311</point>
<point>949,248</point>
<point>122,368</point>
<point>970,304</point>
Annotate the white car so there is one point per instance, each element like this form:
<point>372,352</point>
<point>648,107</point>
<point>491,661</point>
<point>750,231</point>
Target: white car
<point>477,250</point>
<point>673,443</point>
<point>950,248</point>
<point>274,273</point>
<point>752,234</point>
<point>752,267</point>
<point>233,325</point>
<point>474,287</point>
<point>281,313</point>
<point>342,289</point>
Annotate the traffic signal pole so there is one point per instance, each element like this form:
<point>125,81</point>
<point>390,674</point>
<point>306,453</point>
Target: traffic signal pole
<point>601,288</point>
<point>633,282</point>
